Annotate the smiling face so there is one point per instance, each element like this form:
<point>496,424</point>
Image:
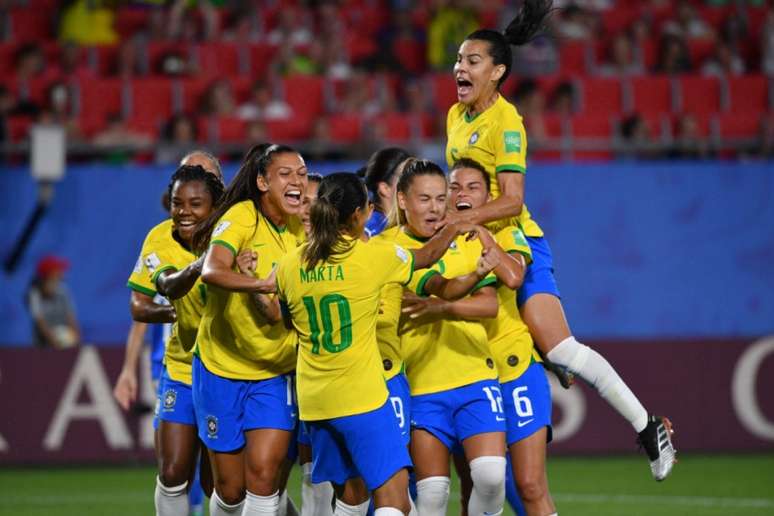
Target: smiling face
<point>285,182</point>
<point>424,204</point>
<point>306,205</point>
<point>467,189</point>
<point>475,72</point>
<point>191,203</point>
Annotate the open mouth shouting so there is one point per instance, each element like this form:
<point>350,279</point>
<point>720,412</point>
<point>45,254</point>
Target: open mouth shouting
<point>463,205</point>
<point>464,87</point>
<point>293,197</point>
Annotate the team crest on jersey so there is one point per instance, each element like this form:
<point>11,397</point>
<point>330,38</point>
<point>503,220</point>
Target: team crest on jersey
<point>170,398</point>
<point>473,138</point>
<point>152,261</point>
<point>453,246</point>
<point>220,228</point>
<point>138,265</point>
<point>212,427</point>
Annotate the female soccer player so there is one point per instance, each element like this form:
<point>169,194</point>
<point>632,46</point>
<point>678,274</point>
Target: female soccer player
<point>242,390</point>
<point>175,273</point>
<point>487,128</point>
<point>331,289</point>
<point>455,397</point>
<point>381,176</point>
<point>525,389</point>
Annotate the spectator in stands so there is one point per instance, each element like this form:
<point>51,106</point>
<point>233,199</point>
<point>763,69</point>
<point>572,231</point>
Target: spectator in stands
<point>88,22</point>
<point>256,133</point>
<point>531,103</point>
<point>290,60</point>
<point>575,24</point>
<point>184,23</point>
<point>293,28</point>
<point>335,60</point>
<point>29,62</point>
<point>244,25</point>
<point>178,137</point>
<point>263,105</point>
<point>634,139</point>
<point>51,307</point>
<point>358,98</point>
<point>118,134</point>
<point>322,147</point>
<point>72,62</point>
<point>563,100</point>
<point>330,22</point>
<point>687,24</point>
<point>673,57</point>
<point>767,44</point>
<point>128,61</point>
<point>219,100</point>
<point>415,98</point>
<point>725,61</point>
<point>448,25</point>
<point>59,110</point>
<point>621,60</point>
<point>688,142</point>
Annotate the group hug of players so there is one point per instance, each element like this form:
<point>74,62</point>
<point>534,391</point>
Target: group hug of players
<point>369,327</point>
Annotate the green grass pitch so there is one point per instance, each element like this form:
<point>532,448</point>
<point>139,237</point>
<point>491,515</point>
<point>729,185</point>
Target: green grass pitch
<point>700,485</point>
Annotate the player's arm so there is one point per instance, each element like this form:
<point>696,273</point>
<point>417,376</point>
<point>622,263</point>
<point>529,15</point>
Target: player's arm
<point>143,309</point>
<point>481,304</point>
<point>218,270</point>
<point>125,390</point>
<point>460,286</point>
<point>510,266</point>
<point>175,284</point>
<point>435,248</point>
<point>268,306</point>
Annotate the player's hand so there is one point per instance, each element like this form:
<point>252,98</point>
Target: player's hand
<point>269,284</point>
<point>487,262</point>
<point>415,306</point>
<point>198,264</point>
<point>247,261</point>
<point>125,391</point>
<point>485,237</point>
<point>452,217</point>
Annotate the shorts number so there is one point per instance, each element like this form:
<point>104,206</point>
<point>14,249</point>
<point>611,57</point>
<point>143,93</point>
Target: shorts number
<point>397,406</point>
<point>522,403</point>
<point>345,323</point>
<point>495,398</point>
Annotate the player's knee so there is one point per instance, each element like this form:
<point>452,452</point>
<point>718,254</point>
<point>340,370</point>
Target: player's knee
<point>488,474</point>
<point>261,479</point>
<point>173,473</point>
<point>432,495</point>
<point>531,486</point>
<point>230,495</point>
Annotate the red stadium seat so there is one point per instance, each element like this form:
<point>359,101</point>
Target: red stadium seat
<point>218,59</point>
<point>259,57</point>
<point>345,128</point>
<point>149,99</point>
<point>130,20</point>
<point>404,127</point>
<point>410,53</point>
<point>554,130</point>
<point>700,50</point>
<point>593,129</point>
<point>304,93</point>
<point>98,99</point>
<point>714,15</point>
<point>444,91</point>
<point>651,94</point>
<point>193,91</point>
<point>748,94</point>
<point>699,95</point>
<point>619,19</point>
<point>733,125</point>
<point>600,96</point>
<point>18,128</point>
<point>573,57</point>
<point>289,130</point>
<point>229,130</point>
<point>31,25</point>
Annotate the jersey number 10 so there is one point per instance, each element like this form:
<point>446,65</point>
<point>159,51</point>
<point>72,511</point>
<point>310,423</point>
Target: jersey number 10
<point>345,323</point>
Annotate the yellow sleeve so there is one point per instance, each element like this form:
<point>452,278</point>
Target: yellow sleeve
<point>168,260</point>
<point>395,262</point>
<point>510,145</point>
<point>512,240</point>
<point>147,264</point>
<point>234,228</point>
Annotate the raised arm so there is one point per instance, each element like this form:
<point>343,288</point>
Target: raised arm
<point>510,267</point>
<point>143,309</point>
<point>460,286</point>
<point>482,304</point>
<point>435,248</point>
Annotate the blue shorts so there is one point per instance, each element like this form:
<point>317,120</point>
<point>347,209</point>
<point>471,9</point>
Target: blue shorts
<point>400,398</point>
<point>539,278</point>
<point>527,404</point>
<point>365,445</point>
<point>303,434</point>
<point>174,402</point>
<point>454,415</point>
<point>226,408</point>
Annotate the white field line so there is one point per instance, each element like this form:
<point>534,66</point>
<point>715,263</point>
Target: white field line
<point>682,501</point>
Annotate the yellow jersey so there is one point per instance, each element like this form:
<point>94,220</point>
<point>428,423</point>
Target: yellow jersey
<point>509,337</point>
<point>161,252</point>
<point>497,140</point>
<point>234,340</point>
<point>443,353</point>
<point>334,308</point>
<point>388,319</point>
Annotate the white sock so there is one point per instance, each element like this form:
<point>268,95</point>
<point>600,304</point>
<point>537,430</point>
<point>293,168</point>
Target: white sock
<point>220,508</point>
<point>488,496</point>
<point>256,505</point>
<point>413,511</point>
<point>388,511</point>
<point>282,508</point>
<point>171,501</point>
<point>592,367</point>
<point>316,499</point>
<point>343,509</point>
<point>433,496</point>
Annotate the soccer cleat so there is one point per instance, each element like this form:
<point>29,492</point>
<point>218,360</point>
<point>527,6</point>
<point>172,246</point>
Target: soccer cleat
<point>564,375</point>
<point>657,441</point>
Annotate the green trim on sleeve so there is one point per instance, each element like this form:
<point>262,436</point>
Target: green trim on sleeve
<point>226,245</point>
<point>489,280</point>
<point>411,272</point>
<point>158,272</point>
<point>421,285</point>
<point>139,288</point>
<point>511,168</point>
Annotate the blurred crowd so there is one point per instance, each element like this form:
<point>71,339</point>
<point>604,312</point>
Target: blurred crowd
<point>234,71</point>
